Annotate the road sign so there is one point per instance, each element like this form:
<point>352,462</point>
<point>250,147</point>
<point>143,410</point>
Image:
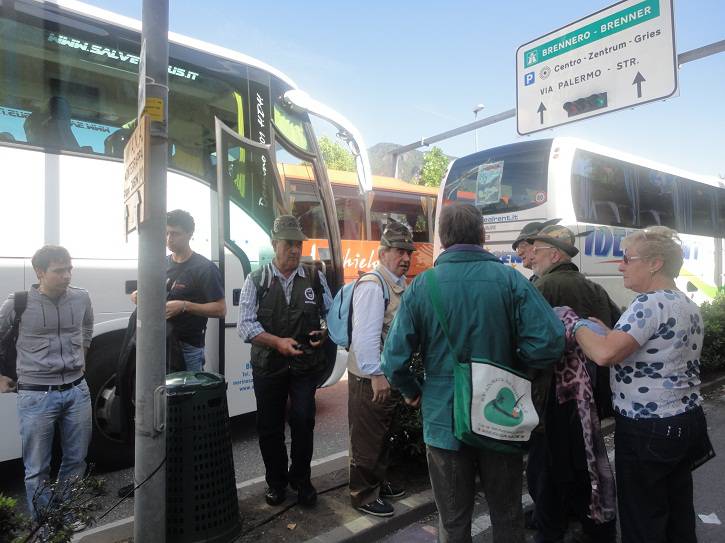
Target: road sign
<point>135,163</point>
<point>619,57</point>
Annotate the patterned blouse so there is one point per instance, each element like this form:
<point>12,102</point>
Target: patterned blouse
<point>662,378</point>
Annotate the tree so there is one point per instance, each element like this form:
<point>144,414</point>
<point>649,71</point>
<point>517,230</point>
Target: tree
<point>435,164</point>
<point>336,157</point>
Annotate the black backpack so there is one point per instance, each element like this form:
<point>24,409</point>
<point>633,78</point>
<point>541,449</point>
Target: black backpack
<point>8,353</point>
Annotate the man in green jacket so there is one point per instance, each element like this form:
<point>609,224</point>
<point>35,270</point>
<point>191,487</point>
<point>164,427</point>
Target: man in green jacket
<point>495,313</point>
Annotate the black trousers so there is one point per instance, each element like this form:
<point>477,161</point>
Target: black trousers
<point>556,499</point>
<point>654,478</point>
<point>272,392</point>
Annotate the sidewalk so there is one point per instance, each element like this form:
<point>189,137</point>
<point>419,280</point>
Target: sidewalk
<point>332,519</point>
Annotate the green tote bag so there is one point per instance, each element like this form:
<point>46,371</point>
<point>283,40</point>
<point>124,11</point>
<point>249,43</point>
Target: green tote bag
<point>492,404</point>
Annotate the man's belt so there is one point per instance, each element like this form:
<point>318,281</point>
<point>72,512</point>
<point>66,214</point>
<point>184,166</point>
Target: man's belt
<point>50,388</point>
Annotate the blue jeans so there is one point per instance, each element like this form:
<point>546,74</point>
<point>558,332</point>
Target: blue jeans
<point>38,413</point>
<point>193,356</point>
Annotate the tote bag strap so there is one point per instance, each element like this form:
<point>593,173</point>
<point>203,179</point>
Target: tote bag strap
<point>434,294</point>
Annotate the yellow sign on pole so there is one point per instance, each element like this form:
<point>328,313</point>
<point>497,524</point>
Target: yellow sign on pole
<point>135,162</point>
<point>154,108</point>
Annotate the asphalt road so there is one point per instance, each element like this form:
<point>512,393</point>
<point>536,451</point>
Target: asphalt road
<point>331,436</point>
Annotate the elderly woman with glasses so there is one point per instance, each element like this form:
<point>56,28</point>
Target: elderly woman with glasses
<point>661,433</point>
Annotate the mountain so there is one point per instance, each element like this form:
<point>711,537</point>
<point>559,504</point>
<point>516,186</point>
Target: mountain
<point>409,164</point>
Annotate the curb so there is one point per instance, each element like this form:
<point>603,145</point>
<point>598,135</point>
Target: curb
<point>711,385</point>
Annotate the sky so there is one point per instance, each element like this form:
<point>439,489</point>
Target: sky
<point>405,70</point>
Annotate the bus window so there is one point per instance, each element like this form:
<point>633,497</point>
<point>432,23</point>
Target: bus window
<point>350,212</point>
<point>657,199</point>
<point>302,196</point>
<point>404,208</point>
<point>286,121</point>
<point>700,209</point>
<point>508,178</point>
<point>603,190</point>
<point>75,88</point>
<point>721,212</point>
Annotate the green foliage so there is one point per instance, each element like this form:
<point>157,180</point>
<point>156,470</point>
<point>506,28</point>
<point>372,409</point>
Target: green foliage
<point>713,346</point>
<point>336,157</point>
<point>70,502</point>
<point>406,437</point>
<point>11,522</point>
<point>435,164</point>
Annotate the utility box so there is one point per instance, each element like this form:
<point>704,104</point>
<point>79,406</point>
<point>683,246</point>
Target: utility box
<point>201,490</point>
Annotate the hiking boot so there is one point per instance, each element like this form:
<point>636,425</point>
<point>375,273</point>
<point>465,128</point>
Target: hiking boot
<point>378,508</point>
<point>275,495</point>
<point>306,493</point>
<point>388,491</point>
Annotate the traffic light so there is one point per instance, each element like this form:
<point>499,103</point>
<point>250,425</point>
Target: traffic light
<point>584,105</point>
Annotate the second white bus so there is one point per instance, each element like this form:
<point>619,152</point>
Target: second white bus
<point>602,195</point>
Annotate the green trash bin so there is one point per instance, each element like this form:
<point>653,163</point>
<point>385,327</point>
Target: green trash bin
<point>201,490</point>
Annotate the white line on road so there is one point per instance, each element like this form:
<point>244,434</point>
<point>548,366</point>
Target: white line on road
<point>314,463</point>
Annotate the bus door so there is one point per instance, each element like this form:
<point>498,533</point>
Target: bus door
<point>245,201</point>
<point>249,195</point>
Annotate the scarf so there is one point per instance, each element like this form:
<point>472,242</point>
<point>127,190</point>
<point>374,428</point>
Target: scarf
<point>573,383</point>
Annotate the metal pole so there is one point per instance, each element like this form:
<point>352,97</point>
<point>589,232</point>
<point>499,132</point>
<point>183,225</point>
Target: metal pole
<point>150,498</point>
<point>476,109</point>
<point>475,132</point>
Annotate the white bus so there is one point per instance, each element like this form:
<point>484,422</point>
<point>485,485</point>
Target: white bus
<point>602,195</point>
<point>68,103</point>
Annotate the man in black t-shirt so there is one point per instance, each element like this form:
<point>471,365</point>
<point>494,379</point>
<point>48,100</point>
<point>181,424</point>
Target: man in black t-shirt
<point>194,286</point>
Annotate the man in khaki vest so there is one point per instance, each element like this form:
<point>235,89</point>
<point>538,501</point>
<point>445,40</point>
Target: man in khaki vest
<point>371,403</point>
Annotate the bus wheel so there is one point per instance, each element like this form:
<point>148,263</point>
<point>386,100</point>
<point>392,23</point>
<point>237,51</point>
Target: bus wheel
<point>108,449</point>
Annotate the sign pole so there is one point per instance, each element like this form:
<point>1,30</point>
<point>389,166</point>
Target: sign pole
<point>150,470</point>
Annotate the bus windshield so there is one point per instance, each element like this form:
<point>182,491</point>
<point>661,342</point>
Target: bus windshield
<point>501,180</point>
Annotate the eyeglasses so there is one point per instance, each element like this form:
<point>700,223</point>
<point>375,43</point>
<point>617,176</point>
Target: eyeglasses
<point>627,259</point>
<point>537,247</point>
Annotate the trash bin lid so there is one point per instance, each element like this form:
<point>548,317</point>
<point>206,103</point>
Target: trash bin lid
<point>192,380</point>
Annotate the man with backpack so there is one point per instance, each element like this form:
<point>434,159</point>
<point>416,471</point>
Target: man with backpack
<point>53,336</point>
<point>371,403</point>
<point>282,307</point>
